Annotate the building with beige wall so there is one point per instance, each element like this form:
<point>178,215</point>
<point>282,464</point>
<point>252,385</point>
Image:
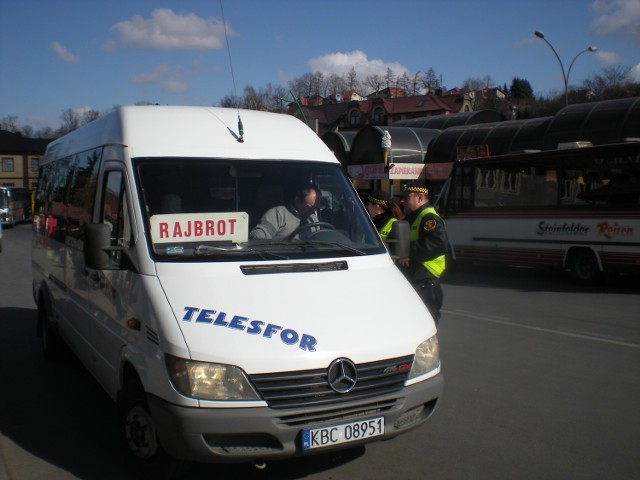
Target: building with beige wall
<point>20,159</point>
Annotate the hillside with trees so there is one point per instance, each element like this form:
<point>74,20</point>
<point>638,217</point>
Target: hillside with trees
<point>610,83</point>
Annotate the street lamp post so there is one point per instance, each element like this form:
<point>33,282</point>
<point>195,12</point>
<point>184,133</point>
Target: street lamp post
<point>565,76</point>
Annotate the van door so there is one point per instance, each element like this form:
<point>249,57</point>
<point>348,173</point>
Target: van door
<point>79,199</point>
<point>112,293</point>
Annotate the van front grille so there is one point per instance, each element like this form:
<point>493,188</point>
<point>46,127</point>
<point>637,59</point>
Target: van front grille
<point>310,388</point>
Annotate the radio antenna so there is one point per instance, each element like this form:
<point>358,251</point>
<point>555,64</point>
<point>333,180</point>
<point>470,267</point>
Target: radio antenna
<point>233,78</point>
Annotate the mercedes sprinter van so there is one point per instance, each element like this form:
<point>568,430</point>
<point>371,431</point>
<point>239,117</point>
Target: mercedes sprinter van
<point>218,345</point>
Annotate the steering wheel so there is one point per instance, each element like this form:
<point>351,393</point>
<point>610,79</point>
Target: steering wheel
<point>310,225</point>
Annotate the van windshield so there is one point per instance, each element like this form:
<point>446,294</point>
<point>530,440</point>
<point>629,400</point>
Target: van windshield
<point>229,210</point>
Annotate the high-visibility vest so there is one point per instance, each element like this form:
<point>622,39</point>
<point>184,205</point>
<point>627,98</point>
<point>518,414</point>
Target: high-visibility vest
<point>386,228</point>
<point>436,265</point>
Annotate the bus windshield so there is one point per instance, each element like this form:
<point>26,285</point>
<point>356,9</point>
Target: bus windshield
<point>227,209</point>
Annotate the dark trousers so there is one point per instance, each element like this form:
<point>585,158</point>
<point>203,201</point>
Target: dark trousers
<point>432,295</point>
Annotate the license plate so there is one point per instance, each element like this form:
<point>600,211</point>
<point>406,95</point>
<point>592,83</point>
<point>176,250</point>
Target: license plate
<point>347,432</point>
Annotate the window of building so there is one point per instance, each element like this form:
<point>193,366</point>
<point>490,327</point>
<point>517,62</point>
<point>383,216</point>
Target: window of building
<point>7,164</point>
<point>354,117</point>
<point>35,164</point>
<point>378,115</point>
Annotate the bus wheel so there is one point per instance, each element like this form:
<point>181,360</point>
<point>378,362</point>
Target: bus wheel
<point>584,267</point>
<point>139,440</point>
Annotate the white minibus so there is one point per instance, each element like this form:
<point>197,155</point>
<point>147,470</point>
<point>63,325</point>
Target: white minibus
<point>218,346</point>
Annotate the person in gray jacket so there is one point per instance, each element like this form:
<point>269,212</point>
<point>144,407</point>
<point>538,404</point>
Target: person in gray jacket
<point>281,221</point>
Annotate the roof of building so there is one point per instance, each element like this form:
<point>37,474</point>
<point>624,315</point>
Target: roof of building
<point>333,113</point>
<point>16,144</point>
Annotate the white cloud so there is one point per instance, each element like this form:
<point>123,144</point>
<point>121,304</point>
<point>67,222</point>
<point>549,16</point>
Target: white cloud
<point>168,31</point>
<point>150,77</point>
<point>340,63</point>
<point>607,58</point>
<point>170,78</point>
<point>63,54</point>
<point>175,86</point>
<point>617,18</point>
<point>634,74</point>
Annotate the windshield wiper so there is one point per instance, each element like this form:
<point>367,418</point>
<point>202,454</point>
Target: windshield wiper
<point>209,250</point>
<point>342,246</point>
<point>311,244</point>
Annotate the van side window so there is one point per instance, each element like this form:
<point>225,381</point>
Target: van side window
<point>66,193</point>
<point>114,211</point>
<point>81,190</point>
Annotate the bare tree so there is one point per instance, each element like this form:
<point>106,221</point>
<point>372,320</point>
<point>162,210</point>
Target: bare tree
<point>353,83</point>
<point>414,86</point>
<point>45,132</point>
<point>430,81</point>
<point>610,81</point>
<point>404,83</point>
<point>374,82</point>
<point>308,84</point>
<point>336,84</point>
<point>301,85</point>
<point>90,116</point>
<point>272,96</point>
<point>475,83</point>
<point>10,123</point>
<point>318,84</point>
<point>389,78</point>
<point>231,101</point>
<point>70,121</point>
<point>251,98</point>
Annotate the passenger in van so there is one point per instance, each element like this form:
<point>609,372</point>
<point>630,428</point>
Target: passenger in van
<point>426,262</point>
<point>281,221</point>
<point>384,212</point>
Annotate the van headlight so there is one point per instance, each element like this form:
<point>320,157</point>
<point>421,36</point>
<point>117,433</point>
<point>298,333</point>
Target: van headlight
<point>209,381</point>
<point>427,358</point>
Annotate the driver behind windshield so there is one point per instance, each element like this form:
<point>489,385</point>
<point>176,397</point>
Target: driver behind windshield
<point>281,221</point>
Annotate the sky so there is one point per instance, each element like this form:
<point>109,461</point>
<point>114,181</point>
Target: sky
<point>95,54</point>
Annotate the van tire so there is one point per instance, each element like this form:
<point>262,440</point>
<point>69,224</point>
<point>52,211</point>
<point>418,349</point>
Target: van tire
<point>584,266</point>
<point>139,440</point>
<point>52,344</point>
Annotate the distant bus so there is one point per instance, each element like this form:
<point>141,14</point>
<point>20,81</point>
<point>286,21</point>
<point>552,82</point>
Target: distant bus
<point>576,208</point>
<point>15,205</point>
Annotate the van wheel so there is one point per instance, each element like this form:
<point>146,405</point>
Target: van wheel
<point>584,267</point>
<point>139,439</point>
<point>50,339</point>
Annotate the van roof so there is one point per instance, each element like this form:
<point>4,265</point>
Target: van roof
<point>187,131</point>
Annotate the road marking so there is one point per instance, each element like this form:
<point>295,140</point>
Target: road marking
<point>508,322</point>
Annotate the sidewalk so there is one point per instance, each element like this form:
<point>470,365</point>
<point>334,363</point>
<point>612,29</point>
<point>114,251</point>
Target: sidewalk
<point>4,475</point>
<point>16,463</point>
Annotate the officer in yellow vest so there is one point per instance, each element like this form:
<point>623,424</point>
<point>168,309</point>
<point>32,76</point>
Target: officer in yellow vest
<point>426,262</point>
<point>383,211</point>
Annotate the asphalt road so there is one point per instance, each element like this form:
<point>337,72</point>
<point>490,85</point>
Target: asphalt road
<point>542,382</point>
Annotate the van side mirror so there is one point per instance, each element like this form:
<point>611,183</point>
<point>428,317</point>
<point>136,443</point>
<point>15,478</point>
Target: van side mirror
<point>398,239</point>
<point>97,247</point>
